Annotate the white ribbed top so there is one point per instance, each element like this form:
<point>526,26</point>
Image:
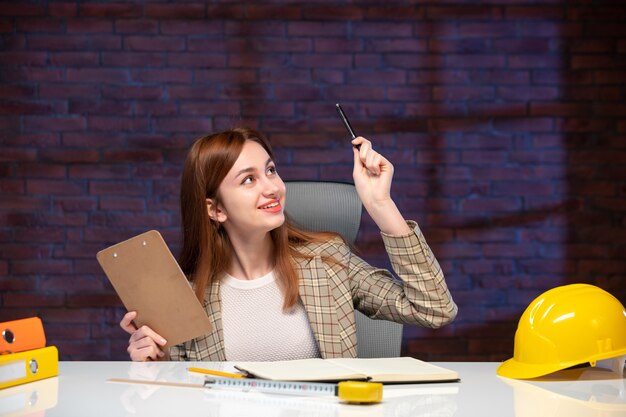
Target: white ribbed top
<point>255,326</point>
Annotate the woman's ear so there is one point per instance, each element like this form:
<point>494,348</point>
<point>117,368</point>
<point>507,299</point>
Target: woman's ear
<point>214,211</point>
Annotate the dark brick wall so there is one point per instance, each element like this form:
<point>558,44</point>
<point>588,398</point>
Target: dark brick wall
<point>505,120</point>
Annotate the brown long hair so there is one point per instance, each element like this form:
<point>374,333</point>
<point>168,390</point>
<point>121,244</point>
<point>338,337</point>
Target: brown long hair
<point>206,251</point>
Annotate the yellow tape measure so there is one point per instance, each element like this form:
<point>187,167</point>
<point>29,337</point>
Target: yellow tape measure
<point>356,392</point>
<point>360,392</point>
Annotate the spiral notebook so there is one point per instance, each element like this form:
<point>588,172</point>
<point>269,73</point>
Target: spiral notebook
<point>386,370</point>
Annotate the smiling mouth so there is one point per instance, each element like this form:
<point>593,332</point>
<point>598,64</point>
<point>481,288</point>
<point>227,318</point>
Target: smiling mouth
<point>270,205</point>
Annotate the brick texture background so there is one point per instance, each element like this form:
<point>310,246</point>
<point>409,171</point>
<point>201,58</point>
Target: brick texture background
<point>505,120</point>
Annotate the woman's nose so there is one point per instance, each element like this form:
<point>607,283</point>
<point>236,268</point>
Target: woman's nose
<point>271,186</point>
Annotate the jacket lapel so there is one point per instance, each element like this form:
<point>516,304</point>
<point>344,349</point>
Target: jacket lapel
<point>211,346</point>
<point>319,303</point>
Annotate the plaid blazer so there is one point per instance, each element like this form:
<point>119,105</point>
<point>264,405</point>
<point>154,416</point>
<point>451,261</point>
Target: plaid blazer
<point>331,291</point>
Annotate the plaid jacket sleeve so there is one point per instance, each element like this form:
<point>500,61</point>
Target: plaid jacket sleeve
<point>420,295</point>
<point>331,291</point>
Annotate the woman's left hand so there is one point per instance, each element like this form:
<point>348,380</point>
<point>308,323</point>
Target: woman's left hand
<point>372,174</point>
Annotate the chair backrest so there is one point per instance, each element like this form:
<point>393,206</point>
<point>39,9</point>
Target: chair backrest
<point>335,206</point>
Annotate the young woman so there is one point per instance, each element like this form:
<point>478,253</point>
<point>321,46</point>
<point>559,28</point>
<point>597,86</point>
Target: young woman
<point>272,291</point>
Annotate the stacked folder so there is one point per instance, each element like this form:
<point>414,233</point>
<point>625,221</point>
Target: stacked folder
<point>24,356</point>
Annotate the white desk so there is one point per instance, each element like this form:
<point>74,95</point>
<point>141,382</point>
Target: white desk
<point>81,389</point>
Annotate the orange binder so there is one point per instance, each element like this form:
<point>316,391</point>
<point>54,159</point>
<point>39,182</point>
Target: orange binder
<point>21,335</point>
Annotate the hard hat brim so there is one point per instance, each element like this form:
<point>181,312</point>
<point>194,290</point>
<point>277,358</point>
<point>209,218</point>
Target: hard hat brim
<point>518,370</point>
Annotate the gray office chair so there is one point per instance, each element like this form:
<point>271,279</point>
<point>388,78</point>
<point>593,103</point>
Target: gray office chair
<point>335,206</point>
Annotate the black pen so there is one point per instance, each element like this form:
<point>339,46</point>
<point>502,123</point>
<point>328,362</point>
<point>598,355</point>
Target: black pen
<point>346,123</point>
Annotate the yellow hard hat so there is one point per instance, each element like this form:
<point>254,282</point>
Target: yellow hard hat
<point>566,326</point>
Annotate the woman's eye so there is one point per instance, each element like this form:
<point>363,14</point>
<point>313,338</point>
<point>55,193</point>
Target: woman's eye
<point>247,180</point>
<point>271,170</point>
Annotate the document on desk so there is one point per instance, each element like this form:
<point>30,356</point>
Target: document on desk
<point>148,279</point>
<point>386,370</point>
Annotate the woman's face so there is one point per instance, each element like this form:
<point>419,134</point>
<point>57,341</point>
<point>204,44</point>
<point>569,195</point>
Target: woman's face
<point>252,195</point>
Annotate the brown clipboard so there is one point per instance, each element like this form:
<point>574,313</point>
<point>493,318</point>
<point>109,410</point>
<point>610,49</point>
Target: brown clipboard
<point>148,280</point>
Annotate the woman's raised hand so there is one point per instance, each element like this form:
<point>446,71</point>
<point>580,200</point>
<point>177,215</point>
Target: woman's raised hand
<point>372,175</point>
<point>144,344</point>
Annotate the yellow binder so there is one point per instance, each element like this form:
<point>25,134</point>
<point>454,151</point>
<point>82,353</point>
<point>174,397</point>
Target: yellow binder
<point>31,365</point>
